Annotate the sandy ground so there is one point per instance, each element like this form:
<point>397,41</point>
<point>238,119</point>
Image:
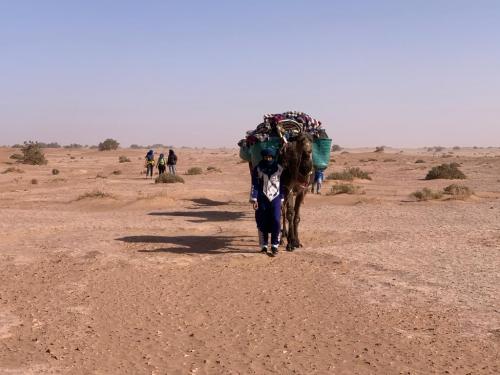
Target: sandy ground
<point>167,278</point>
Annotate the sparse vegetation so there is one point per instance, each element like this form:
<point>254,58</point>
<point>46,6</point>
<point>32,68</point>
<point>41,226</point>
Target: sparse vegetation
<point>456,147</point>
<point>336,148</point>
<point>55,171</point>
<point>419,161</point>
<point>100,175</point>
<point>32,154</point>
<point>123,159</point>
<point>343,189</point>
<point>167,178</point>
<point>34,181</point>
<point>108,144</point>
<point>72,157</point>
<point>426,194</point>
<point>73,145</point>
<point>446,171</point>
<point>349,174</point>
<point>379,149</point>
<point>213,169</point>
<point>95,194</point>
<point>13,170</point>
<point>389,160</point>
<point>194,171</point>
<point>458,191</point>
<point>117,172</point>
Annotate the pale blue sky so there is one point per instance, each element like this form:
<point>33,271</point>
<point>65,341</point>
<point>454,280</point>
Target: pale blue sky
<point>200,73</point>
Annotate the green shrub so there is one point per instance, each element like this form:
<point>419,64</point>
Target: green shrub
<point>108,144</point>
<point>123,159</point>
<point>446,171</point>
<point>194,170</point>
<point>55,171</point>
<point>458,191</point>
<point>343,189</point>
<point>349,174</point>
<point>168,179</point>
<point>426,194</point>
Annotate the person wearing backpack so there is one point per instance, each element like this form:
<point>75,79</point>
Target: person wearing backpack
<point>150,163</point>
<point>162,164</point>
<point>171,161</point>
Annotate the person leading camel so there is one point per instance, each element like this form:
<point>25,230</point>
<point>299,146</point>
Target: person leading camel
<point>266,196</point>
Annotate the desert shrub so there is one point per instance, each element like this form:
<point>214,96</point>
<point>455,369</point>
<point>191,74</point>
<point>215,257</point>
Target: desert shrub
<point>17,145</point>
<point>343,189</point>
<point>349,174</point>
<point>136,147</point>
<point>108,144</point>
<point>194,170</point>
<point>117,172</point>
<point>168,179</point>
<point>426,194</point>
<point>94,194</point>
<point>100,175</point>
<point>73,145</point>
<point>344,152</point>
<point>93,147</point>
<point>456,147</point>
<point>213,169</point>
<point>446,171</point>
<point>55,171</point>
<point>72,157</point>
<point>419,161</point>
<point>34,181</point>
<point>32,154</point>
<point>49,145</point>
<point>17,157</point>
<point>372,159</point>
<point>389,160</point>
<point>379,149</point>
<point>336,148</point>
<point>13,170</point>
<point>458,191</point>
<point>123,159</point>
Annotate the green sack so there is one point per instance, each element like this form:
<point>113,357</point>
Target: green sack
<point>245,153</point>
<point>321,152</point>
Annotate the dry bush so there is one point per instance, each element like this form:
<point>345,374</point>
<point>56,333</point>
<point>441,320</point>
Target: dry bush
<point>379,149</point>
<point>13,170</point>
<point>72,157</point>
<point>389,160</point>
<point>55,171</point>
<point>456,147</point>
<point>419,161</point>
<point>372,159</point>
<point>167,178</point>
<point>95,194</point>
<point>458,191</point>
<point>344,153</point>
<point>349,174</point>
<point>100,175</point>
<point>426,194</point>
<point>117,172</point>
<point>34,181</point>
<point>213,169</point>
<point>446,171</point>
<point>32,154</point>
<point>194,170</point>
<point>123,159</point>
<point>336,148</point>
<point>343,189</point>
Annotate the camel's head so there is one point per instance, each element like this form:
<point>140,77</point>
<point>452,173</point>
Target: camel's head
<point>304,149</point>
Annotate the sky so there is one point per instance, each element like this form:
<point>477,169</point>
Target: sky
<point>398,73</point>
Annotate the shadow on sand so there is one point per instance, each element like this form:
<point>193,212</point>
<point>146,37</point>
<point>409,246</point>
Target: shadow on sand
<point>204,216</point>
<point>194,244</point>
<point>205,202</point>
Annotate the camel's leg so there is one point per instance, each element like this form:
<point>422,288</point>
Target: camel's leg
<point>299,199</point>
<point>284,232</point>
<point>290,214</point>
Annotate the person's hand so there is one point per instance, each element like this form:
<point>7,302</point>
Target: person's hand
<point>255,205</point>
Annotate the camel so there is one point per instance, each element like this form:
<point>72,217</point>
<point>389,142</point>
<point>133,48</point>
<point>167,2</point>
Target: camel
<point>296,158</point>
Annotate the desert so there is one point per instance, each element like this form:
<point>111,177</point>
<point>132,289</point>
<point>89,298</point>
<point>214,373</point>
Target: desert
<point>103,271</point>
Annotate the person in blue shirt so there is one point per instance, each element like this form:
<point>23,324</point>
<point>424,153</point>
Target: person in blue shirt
<point>267,196</point>
<point>318,180</point>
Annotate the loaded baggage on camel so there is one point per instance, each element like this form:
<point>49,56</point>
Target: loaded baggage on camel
<point>278,129</point>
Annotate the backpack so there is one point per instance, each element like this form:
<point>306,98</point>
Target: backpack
<point>161,161</point>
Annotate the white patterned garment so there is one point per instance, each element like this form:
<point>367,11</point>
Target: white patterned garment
<point>270,185</point>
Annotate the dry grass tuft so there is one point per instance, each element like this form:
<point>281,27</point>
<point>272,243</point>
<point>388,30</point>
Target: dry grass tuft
<point>343,189</point>
<point>426,194</point>
<point>213,169</point>
<point>34,181</point>
<point>123,159</point>
<point>419,161</point>
<point>117,172</point>
<point>13,170</point>
<point>458,191</point>
<point>55,171</point>
<point>194,170</point>
<point>167,178</point>
<point>349,174</point>
<point>95,194</point>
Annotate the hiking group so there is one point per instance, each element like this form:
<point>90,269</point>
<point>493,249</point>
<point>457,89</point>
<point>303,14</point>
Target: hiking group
<point>161,164</point>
